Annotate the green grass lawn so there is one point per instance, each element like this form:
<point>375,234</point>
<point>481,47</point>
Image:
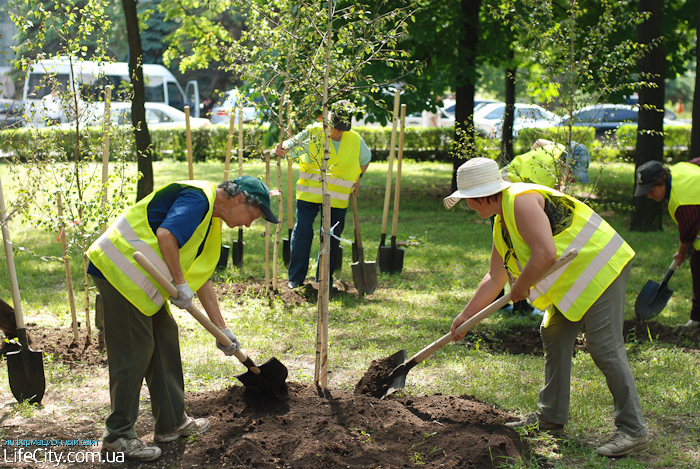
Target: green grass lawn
<point>445,262</point>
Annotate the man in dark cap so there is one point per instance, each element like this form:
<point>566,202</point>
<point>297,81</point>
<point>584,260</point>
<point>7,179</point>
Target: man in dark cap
<point>349,159</point>
<point>680,187</point>
<point>178,228</point>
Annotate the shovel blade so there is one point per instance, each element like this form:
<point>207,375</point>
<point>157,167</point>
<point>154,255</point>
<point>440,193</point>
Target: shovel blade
<point>273,374</point>
<point>223,257</point>
<point>390,259</point>
<point>364,276</point>
<point>25,371</point>
<point>647,305</point>
<point>237,253</point>
<point>286,253</point>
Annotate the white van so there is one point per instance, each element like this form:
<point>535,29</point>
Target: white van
<point>90,77</point>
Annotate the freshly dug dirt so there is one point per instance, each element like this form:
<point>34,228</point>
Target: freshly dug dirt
<point>307,428</point>
<point>375,381</point>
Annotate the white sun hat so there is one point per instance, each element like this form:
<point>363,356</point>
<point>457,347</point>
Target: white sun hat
<point>478,177</point>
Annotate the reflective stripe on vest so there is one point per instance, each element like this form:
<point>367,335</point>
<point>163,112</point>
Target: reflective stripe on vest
<point>342,170</point>
<point>112,253</point>
<point>575,287</point>
<point>685,189</point>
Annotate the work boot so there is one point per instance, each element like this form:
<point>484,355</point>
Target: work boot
<point>190,426</point>
<point>522,308</point>
<point>621,443</point>
<point>531,419</point>
<point>690,326</point>
<point>132,448</point>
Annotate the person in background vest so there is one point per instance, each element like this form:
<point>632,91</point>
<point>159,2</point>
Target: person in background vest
<point>550,164</point>
<point>178,228</point>
<point>680,186</point>
<point>546,163</point>
<point>349,158</point>
<point>534,226</point>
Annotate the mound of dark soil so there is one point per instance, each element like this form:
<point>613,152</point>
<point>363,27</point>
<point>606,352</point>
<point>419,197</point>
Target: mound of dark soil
<point>305,428</point>
<point>526,339</point>
<point>58,341</point>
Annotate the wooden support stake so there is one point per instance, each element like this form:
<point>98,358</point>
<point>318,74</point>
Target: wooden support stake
<point>66,265</point>
<point>189,142</point>
<point>267,227</point>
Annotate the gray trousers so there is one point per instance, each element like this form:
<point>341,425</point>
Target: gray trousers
<point>138,347</point>
<point>605,342</point>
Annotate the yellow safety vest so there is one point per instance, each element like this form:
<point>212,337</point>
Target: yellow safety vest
<point>685,189</point>
<point>537,166</point>
<point>602,254</point>
<point>112,253</point>
<point>342,170</point>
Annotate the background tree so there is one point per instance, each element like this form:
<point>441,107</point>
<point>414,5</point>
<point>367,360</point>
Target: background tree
<point>144,153</point>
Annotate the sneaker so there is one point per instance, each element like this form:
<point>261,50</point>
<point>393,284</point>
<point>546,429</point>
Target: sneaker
<point>689,326</point>
<point>621,443</point>
<point>531,419</point>
<point>132,448</point>
<point>190,426</point>
<point>292,285</point>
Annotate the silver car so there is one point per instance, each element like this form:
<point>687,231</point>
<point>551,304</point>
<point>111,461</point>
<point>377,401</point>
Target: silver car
<point>227,103</point>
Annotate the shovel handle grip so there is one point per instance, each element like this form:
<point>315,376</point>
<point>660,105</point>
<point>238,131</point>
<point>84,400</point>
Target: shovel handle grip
<point>196,313</point>
<point>486,312</point>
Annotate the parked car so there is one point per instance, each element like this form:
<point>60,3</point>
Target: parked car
<point>158,115</point>
<point>221,111</point>
<point>608,117</point>
<point>11,114</point>
<point>416,119</point>
<point>450,105</point>
<point>488,118</point>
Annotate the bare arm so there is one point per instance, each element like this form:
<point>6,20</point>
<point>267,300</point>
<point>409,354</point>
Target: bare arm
<point>170,249</point>
<point>485,293</point>
<point>682,253</point>
<point>363,168</point>
<point>207,296</point>
<point>535,230</point>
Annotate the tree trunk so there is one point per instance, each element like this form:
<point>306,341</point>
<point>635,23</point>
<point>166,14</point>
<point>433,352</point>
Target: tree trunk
<point>138,108</point>
<point>509,116</point>
<point>465,86</point>
<point>650,139</point>
<point>695,132</point>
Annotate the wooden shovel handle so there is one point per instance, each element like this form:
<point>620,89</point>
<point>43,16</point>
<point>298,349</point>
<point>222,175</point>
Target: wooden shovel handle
<point>397,190</point>
<point>196,313</point>
<point>392,147</point>
<point>356,222</point>
<point>10,257</point>
<point>486,312</point>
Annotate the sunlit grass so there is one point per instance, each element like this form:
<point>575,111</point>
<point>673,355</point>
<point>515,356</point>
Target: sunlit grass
<point>447,258</point>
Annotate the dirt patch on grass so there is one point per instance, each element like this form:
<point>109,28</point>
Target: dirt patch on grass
<point>254,287</point>
<point>527,340</point>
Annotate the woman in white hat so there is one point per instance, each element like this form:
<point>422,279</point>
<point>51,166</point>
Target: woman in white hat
<point>534,226</point>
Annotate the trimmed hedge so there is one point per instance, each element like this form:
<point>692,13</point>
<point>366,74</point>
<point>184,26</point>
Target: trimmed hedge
<point>420,143</point>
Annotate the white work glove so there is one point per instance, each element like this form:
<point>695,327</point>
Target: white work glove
<point>184,296</point>
<point>230,349</point>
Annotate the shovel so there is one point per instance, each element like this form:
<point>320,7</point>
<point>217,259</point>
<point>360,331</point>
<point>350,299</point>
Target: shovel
<point>237,248</point>
<point>654,296</point>
<point>25,367</point>
<point>397,378</point>
<point>364,274</point>
<point>271,374</point>
<point>391,257</point>
<point>392,146</point>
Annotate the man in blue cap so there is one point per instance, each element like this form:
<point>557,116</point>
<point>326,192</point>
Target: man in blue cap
<point>178,228</point>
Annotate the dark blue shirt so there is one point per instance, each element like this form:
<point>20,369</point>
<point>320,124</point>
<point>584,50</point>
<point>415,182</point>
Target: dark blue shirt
<point>179,209</point>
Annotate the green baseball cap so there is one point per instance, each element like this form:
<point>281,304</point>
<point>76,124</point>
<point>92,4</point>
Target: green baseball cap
<point>260,191</point>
